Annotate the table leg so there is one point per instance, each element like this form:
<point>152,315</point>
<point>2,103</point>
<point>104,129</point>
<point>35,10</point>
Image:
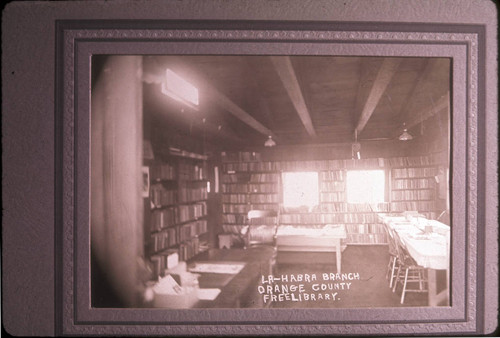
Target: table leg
<point>433,297</point>
<point>339,253</point>
<point>431,284</point>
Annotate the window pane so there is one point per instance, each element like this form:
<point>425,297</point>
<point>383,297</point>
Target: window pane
<point>365,186</point>
<point>300,189</point>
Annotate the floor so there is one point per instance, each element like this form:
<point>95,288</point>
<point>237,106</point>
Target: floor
<point>368,287</point>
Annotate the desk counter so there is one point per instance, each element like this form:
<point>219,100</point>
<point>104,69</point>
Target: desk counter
<point>237,290</point>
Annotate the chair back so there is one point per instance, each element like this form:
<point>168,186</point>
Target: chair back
<point>404,256</point>
<point>263,225</point>
<point>391,239</point>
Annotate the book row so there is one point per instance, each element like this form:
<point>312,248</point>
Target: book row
<point>351,207</point>
<point>161,197</point>
<point>412,195</point>
<point>370,163</point>
<point>192,195</point>
<point>323,218</point>
<point>332,175</point>
<point>246,177</point>
<point>245,208</point>
<point>190,248</point>
<point>414,172</point>
<point>168,217</point>
<point>420,206</point>
<point>162,218</point>
<point>234,218</point>
<point>338,196</point>
<point>189,212</point>
<point>190,171</point>
<point>250,187</point>
<point>255,198</point>
<point>173,236</point>
<point>432,159</point>
<point>163,171</point>
<point>331,186</point>
<point>415,183</point>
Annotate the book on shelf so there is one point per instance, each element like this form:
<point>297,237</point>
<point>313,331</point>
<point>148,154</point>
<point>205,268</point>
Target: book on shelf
<point>421,206</point>
<point>234,218</point>
<point>412,187</point>
<point>162,218</point>
<point>335,196</point>
<point>414,172</point>
<point>326,218</point>
<point>190,191</point>
<point>160,196</point>
<point>189,230</point>
<point>249,187</point>
<point>162,171</point>
<point>332,186</point>
<point>332,175</point>
<point>413,195</point>
<point>189,212</point>
<point>244,208</point>
<point>414,183</point>
<point>188,171</point>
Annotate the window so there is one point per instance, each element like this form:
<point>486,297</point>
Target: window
<point>365,186</point>
<point>300,189</point>
<point>179,89</point>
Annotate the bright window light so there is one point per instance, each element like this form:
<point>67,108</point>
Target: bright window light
<point>365,186</point>
<point>179,89</point>
<point>300,189</point>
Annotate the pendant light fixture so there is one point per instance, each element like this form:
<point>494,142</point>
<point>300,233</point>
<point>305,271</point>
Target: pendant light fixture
<point>405,136</point>
<point>269,142</point>
<point>356,147</point>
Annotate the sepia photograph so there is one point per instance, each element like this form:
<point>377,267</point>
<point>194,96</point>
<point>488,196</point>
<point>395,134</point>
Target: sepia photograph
<point>333,191</point>
<point>250,168</point>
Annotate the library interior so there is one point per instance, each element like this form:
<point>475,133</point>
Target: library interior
<point>270,181</point>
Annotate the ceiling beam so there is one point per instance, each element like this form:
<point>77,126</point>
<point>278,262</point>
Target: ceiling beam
<point>213,95</point>
<point>442,103</point>
<point>384,75</point>
<point>430,67</point>
<point>225,103</point>
<point>284,68</point>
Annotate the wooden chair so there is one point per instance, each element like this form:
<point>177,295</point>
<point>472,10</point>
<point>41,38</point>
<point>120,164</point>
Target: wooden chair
<point>393,264</point>
<point>409,272</point>
<point>261,231</point>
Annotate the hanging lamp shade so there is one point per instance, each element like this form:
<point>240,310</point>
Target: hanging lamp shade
<point>405,136</point>
<point>269,142</point>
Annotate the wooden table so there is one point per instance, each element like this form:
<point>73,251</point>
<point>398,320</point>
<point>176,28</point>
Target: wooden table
<point>429,250</point>
<point>237,290</point>
<point>307,239</point>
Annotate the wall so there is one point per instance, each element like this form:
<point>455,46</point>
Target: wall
<point>116,157</point>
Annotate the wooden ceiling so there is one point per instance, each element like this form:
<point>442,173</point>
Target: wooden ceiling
<point>301,99</point>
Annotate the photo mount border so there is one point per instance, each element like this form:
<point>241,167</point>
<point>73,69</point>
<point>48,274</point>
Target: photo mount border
<point>76,40</point>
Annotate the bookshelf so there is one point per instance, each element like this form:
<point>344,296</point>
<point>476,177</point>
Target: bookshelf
<point>176,219</point>
<point>414,188</point>
<point>247,179</point>
<point>245,190</point>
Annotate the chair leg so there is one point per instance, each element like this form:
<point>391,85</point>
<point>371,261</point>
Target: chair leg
<point>388,268</point>
<point>397,279</point>
<point>404,287</point>
<point>392,271</point>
